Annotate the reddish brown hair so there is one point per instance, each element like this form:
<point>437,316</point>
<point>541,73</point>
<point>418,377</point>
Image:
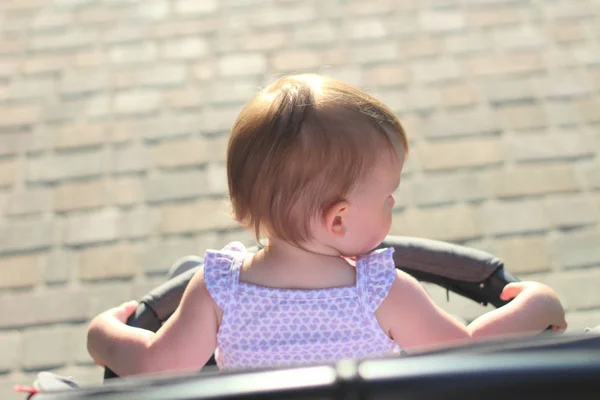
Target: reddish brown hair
<point>300,146</point>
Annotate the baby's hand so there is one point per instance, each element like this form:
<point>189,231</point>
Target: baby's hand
<point>120,313</point>
<point>545,301</point>
<point>513,289</point>
<point>124,311</point>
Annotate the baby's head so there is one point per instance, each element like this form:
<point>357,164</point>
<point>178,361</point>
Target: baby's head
<point>314,162</point>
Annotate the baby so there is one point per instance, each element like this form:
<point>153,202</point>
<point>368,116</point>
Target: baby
<point>312,165</point>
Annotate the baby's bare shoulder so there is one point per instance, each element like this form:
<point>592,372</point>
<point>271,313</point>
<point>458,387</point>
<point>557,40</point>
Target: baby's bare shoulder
<point>404,297</point>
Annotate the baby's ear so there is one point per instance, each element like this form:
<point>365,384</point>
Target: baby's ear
<point>334,219</point>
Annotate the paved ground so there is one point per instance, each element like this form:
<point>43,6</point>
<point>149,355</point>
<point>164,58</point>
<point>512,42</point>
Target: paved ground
<point>114,115</point>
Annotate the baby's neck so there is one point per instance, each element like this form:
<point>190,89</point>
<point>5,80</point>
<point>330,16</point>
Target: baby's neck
<point>281,264</point>
<point>308,254</point>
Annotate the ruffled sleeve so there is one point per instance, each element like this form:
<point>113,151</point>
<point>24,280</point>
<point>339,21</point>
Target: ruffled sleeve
<point>375,273</point>
<point>221,272</point>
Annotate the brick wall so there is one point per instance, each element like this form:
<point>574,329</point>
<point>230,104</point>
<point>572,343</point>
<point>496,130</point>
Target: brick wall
<point>114,116</point>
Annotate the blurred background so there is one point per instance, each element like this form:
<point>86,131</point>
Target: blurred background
<point>114,116</point>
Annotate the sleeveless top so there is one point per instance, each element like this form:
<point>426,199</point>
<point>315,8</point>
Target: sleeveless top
<point>272,327</point>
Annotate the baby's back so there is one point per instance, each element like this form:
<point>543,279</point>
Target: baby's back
<point>269,327</point>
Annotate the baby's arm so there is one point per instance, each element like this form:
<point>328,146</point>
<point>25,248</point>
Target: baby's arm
<point>184,343</point>
<point>414,321</point>
<point>535,307</point>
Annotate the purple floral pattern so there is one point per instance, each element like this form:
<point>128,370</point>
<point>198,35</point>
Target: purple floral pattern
<point>270,327</point>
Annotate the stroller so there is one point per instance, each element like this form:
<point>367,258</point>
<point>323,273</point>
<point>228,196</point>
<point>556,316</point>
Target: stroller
<point>548,366</point>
